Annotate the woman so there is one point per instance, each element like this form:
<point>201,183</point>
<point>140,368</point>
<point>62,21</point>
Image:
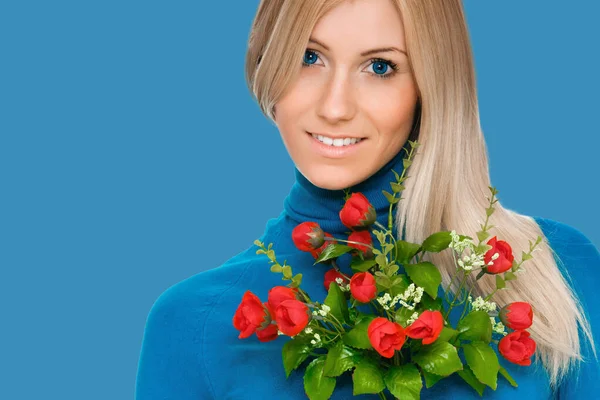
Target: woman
<point>348,83</point>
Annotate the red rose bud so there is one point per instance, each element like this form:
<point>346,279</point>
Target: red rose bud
<point>279,294</point>
<point>386,336</point>
<point>331,276</point>
<point>291,316</point>
<point>250,315</point>
<point>362,287</point>
<point>308,236</point>
<point>427,327</point>
<point>517,347</point>
<point>505,256</point>
<point>363,236</point>
<point>357,212</point>
<point>517,315</point>
<point>267,334</point>
<point>316,253</point>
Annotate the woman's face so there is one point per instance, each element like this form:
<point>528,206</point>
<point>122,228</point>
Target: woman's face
<point>349,88</point>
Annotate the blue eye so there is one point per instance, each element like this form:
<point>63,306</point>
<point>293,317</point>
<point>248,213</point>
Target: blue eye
<point>309,60</point>
<point>380,65</point>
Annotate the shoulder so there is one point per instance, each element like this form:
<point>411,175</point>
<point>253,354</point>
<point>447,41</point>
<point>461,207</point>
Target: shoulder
<point>197,294</point>
<point>171,363</point>
<point>568,243</point>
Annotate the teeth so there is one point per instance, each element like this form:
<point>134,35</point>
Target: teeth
<point>336,142</point>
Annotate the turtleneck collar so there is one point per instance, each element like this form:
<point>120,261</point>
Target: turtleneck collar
<point>307,202</point>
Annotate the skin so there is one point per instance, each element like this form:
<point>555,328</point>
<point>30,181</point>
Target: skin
<point>341,93</point>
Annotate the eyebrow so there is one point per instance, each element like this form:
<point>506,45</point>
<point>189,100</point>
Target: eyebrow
<point>364,53</point>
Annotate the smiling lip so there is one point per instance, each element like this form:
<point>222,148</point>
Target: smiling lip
<point>334,151</point>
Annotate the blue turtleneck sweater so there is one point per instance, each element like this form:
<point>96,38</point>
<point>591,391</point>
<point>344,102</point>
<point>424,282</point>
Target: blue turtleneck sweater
<point>191,350</point>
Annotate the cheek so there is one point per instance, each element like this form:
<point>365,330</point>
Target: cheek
<point>291,108</point>
<point>394,111</point>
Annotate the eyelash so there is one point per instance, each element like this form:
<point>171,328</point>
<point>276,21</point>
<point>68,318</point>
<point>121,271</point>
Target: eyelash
<point>391,64</point>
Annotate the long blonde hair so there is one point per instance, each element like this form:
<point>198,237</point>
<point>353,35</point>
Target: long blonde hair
<point>449,178</point>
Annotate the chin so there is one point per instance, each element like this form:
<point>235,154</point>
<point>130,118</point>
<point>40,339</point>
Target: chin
<point>333,180</point>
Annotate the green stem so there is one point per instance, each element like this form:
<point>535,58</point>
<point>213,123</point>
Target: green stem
<point>353,242</point>
<point>489,296</point>
<point>465,308</point>
<point>462,282</point>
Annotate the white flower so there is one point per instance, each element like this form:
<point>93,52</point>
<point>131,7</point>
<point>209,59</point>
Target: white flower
<point>497,327</point>
<point>412,318</point>
<point>308,330</point>
<point>481,304</point>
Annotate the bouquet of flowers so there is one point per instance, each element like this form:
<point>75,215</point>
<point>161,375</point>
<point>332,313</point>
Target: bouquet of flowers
<point>404,336</point>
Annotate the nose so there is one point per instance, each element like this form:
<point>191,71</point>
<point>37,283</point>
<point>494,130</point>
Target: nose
<point>337,102</point>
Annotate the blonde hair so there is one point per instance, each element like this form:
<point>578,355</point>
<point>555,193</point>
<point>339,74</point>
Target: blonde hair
<point>452,152</point>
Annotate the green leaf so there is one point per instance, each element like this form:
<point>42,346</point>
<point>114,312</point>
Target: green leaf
<point>509,276</point>
<point>500,282</point>
<point>447,334</point>
<point>475,325</point>
<point>482,235</point>
<point>483,361</point>
<point>430,379</point>
<point>293,353</point>
<point>391,269</point>
<point>425,275</point>
<point>437,242</point>
<point>429,303</point>
<point>440,358</point>
<point>506,375</point>
<point>340,359</point>
<point>276,268</point>
<point>404,382</point>
<point>399,286</point>
<point>359,265</point>
<point>337,302</point>
<point>396,175</point>
<point>381,260</point>
<point>390,197</point>
<point>297,280</point>
<point>397,187</point>
<point>332,251</point>
<point>402,315</point>
<point>316,385</point>
<point>469,377</point>
<point>287,272</point>
<point>367,378</point>
<point>358,337</point>
<point>405,251</point>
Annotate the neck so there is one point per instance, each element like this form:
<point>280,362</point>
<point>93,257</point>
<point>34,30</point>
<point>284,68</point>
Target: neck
<point>307,202</point>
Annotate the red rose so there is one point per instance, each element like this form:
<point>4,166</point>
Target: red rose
<point>316,253</point>
<point>517,347</point>
<point>363,236</point>
<point>386,336</point>
<point>267,334</point>
<point>250,315</point>
<point>505,256</point>
<point>517,315</point>
<point>331,276</point>
<point>362,287</point>
<point>427,327</point>
<point>291,316</point>
<point>279,294</point>
<point>357,212</point>
<point>308,236</point>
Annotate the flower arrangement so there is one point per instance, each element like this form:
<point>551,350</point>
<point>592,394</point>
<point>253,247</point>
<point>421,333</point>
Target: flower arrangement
<point>407,338</point>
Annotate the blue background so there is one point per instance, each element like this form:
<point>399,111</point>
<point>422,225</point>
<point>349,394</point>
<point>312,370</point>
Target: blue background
<point>132,156</point>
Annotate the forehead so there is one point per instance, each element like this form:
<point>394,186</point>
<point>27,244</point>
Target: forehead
<point>359,25</point>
